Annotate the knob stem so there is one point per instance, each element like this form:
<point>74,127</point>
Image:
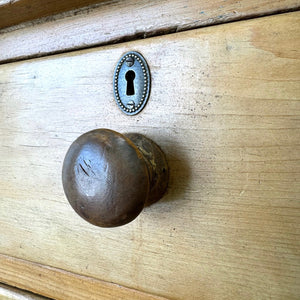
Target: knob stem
<point>156,163</point>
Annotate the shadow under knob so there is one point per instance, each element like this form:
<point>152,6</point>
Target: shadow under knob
<point>108,177</point>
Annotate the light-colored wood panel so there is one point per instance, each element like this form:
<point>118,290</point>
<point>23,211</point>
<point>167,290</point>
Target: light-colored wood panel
<point>117,21</point>
<point>224,106</point>
<point>13,12</point>
<point>11,293</point>
<point>61,284</point>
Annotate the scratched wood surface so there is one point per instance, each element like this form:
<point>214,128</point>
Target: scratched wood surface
<point>224,107</point>
<point>115,21</point>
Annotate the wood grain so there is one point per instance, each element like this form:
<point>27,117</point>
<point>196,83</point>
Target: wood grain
<point>13,12</point>
<point>11,293</point>
<point>224,107</point>
<point>63,285</point>
<point>115,21</point>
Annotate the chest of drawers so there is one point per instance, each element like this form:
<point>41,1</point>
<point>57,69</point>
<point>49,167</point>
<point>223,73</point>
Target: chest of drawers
<point>224,107</point>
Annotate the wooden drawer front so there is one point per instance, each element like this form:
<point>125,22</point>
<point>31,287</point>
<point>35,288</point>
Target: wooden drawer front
<point>114,21</point>
<point>224,106</point>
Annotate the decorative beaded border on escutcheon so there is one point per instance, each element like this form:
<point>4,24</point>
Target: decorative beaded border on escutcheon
<point>130,58</point>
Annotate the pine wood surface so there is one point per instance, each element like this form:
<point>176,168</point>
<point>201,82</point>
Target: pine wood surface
<point>11,293</point>
<point>59,284</point>
<point>115,21</point>
<point>13,12</point>
<point>224,107</point>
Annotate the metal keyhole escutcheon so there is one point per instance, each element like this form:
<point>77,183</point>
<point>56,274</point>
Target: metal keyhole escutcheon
<point>132,83</point>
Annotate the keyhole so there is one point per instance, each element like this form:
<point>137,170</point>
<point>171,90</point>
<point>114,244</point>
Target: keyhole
<point>130,75</point>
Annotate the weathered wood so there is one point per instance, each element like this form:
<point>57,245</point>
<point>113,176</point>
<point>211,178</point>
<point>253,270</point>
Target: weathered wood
<point>224,107</point>
<point>117,21</point>
<point>13,12</point>
<point>60,284</point>
<point>11,293</point>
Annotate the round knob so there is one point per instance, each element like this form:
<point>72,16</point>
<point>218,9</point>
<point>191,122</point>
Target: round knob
<point>108,177</point>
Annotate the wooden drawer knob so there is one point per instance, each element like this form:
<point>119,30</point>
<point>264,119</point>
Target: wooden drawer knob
<point>108,177</point>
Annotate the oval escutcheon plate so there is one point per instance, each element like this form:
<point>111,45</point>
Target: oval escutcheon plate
<point>132,83</point>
